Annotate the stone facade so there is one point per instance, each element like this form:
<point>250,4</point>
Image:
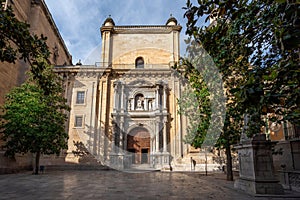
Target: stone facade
<point>38,16</point>
<point>124,109</point>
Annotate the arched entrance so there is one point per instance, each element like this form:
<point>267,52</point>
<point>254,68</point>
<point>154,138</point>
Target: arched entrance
<point>138,144</point>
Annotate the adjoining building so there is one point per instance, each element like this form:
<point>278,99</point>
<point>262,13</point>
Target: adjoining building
<point>38,16</point>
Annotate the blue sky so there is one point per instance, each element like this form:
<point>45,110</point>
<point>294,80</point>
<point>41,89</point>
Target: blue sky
<point>79,21</point>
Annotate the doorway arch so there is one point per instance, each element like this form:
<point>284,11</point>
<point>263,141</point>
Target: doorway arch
<point>138,144</point>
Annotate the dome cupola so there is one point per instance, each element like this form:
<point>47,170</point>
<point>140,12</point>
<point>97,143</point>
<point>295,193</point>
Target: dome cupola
<point>109,21</point>
<point>172,21</point>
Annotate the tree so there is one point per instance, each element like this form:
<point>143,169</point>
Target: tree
<point>33,121</point>
<point>257,42</point>
<point>195,104</point>
<point>255,45</point>
<point>34,114</point>
<point>206,129</point>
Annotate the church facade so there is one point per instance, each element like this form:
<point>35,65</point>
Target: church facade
<point>124,109</point>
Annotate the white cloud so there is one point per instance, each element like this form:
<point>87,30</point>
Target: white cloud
<point>79,21</point>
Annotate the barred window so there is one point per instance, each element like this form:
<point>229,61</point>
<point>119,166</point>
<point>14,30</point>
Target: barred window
<point>78,121</point>
<point>80,97</point>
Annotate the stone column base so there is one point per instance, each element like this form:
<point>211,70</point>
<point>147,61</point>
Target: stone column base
<point>71,158</point>
<point>160,160</point>
<point>116,161</point>
<point>259,187</point>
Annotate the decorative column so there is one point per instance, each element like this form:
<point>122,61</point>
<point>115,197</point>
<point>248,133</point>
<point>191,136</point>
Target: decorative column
<point>151,145</point>
<point>116,102</point>
<point>165,137</point>
<point>165,97</point>
<point>122,97</point>
<point>121,133</point>
<point>146,104</point>
<point>132,104</point>
<point>129,105</point>
<point>157,136</point>
<point>157,97</point>
<point>113,138</point>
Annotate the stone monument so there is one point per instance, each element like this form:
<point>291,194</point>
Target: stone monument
<point>256,167</point>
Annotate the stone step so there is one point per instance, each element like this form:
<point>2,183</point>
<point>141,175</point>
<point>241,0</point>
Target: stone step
<point>198,167</point>
<point>75,167</point>
<point>140,168</point>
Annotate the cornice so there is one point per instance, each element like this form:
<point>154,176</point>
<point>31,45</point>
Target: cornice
<point>87,71</point>
<point>135,29</point>
<point>145,29</point>
<point>92,71</point>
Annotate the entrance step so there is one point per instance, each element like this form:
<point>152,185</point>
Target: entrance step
<point>141,168</point>
<point>76,167</point>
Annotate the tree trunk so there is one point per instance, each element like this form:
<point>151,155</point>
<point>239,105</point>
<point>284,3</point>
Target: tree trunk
<point>37,162</point>
<point>229,173</point>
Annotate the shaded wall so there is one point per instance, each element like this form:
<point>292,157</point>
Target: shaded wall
<point>38,16</point>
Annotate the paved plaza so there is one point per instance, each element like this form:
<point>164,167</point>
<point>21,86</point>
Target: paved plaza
<point>112,184</point>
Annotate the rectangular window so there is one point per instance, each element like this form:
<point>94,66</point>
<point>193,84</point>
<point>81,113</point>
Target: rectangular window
<point>80,97</point>
<point>78,121</point>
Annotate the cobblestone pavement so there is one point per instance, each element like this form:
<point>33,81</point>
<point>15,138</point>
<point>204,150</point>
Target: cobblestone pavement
<point>119,185</point>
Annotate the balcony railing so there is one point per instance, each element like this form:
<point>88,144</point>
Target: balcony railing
<point>132,66</point>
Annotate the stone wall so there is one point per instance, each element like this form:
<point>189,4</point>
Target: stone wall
<point>286,155</point>
<point>127,47</point>
<point>38,16</point>
<point>41,22</point>
<point>282,156</point>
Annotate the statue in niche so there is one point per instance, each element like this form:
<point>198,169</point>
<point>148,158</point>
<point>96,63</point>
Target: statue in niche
<point>139,104</point>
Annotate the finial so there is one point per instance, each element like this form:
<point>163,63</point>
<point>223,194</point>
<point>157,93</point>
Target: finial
<point>171,21</point>
<point>109,21</point>
<point>79,62</point>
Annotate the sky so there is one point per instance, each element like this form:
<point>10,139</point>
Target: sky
<point>79,21</point>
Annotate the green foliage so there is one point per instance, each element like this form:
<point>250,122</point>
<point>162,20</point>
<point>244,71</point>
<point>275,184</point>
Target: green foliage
<point>34,114</point>
<point>196,106</point>
<point>33,121</point>
<point>16,42</point>
<point>255,45</point>
<point>204,102</point>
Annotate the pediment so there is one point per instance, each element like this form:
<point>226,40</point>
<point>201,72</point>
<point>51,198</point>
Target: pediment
<point>140,82</point>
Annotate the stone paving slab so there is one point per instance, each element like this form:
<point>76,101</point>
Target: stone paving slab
<point>120,185</point>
